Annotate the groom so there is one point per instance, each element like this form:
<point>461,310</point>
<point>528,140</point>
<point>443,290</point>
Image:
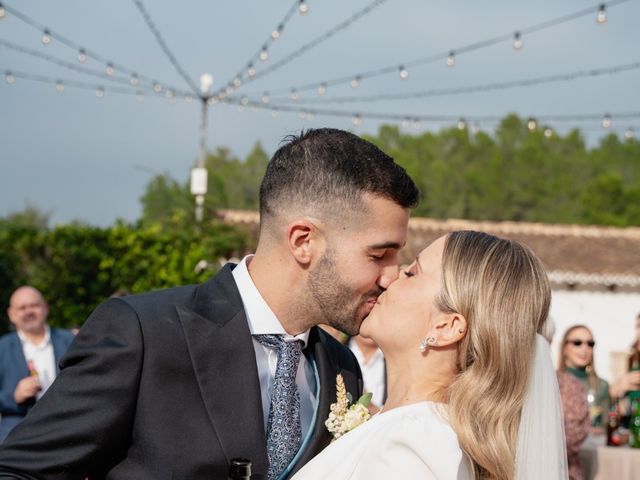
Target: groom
<point>176,383</point>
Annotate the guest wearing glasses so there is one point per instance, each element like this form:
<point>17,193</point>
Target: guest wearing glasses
<point>576,357</point>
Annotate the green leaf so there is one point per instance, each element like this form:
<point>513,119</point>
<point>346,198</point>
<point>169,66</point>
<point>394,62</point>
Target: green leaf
<point>365,399</point>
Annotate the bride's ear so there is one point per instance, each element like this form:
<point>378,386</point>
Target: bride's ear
<point>449,329</point>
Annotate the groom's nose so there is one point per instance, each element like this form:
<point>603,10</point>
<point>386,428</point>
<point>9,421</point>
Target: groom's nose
<point>388,275</point>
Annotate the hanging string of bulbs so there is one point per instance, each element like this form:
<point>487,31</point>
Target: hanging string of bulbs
<point>450,56</point>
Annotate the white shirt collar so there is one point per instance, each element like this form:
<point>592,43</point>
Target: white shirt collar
<point>260,317</point>
<point>45,341</point>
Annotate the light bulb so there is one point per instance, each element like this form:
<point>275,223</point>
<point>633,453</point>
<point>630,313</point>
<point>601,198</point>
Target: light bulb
<point>3,13</point>
<point>82,55</point>
<point>548,132</point>
<point>406,123</point>
<point>264,54</point>
<point>356,120</point>
<point>532,124</point>
<point>606,121</point>
<point>134,79</point>
<point>10,78</point>
<point>462,124</point>
<point>213,100</point>
<point>355,82</point>
<point>451,59</point>
<point>276,33</point>
<point>404,74</point>
<point>244,101</point>
<point>628,134</point>
<point>517,41</point>
<point>109,69</point>
<point>100,92</point>
<point>229,90</point>
<point>295,95</point>
<point>157,87</point>
<point>221,95</point>
<point>265,97</point>
<point>251,71</point>
<point>601,17</point>
<point>303,8</point>
<point>170,94</point>
<point>59,86</point>
<point>237,82</point>
<point>139,96</point>
<point>46,37</point>
<point>322,89</point>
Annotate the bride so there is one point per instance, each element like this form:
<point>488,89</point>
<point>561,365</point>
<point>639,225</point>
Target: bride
<point>472,392</point>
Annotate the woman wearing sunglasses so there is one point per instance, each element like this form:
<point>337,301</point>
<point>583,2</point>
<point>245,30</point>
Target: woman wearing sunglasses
<point>576,357</point>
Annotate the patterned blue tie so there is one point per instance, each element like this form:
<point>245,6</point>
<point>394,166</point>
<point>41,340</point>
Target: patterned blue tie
<point>283,427</point>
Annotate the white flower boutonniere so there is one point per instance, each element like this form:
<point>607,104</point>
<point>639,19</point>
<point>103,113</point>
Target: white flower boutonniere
<point>345,416</point>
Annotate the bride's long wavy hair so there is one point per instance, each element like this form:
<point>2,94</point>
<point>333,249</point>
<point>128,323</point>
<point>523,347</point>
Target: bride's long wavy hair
<point>502,290</point>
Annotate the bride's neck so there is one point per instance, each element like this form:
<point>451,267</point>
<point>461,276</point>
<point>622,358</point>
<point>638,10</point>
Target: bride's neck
<point>409,383</point>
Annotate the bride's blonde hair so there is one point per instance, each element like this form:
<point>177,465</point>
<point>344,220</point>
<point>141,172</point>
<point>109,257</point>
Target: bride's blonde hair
<point>501,288</point>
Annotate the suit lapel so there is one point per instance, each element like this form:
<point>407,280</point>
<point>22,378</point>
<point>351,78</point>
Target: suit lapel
<point>224,362</point>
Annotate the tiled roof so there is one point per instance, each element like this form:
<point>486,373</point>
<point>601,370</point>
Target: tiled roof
<point>574,255</point>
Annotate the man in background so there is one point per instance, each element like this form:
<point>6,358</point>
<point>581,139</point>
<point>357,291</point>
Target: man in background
<point>28,357</point>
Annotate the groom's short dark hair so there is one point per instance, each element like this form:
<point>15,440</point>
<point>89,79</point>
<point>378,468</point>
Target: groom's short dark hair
<point>331,169</point>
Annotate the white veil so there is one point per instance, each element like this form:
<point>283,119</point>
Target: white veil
<point>541,450</point>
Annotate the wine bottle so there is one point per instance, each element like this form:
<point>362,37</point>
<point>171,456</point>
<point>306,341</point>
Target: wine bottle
<point>240,469</point>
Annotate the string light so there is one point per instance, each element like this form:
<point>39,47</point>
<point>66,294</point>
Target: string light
<point>109,69</point>
<point>322,89</point>
<point>134,80</point>
<point>10,79</point>
<point>265,97</point>
<point>451,59</point>
<point>264,54</point>
<point>251,71</point>
<point>601,17</point>
<point>303,8</point>
<point>355,83</point>
<point>46,38</point>
<point>606,121</point>
<point>100,92</point>
<point>237,82</point>
<point>356,120</point>
<point>629,134</point>
<point>548,132</point>
<point>532,124</point>
<point>517,41</point>
<point>229,90</point>
<point>462,124</point>
<point>59,86</point>
<point>157,87</point>
<point>170,94</point>
<point>244,101</point>
<point>139,96</point>
<point>295,95</point>
<point>215,99</point>
<point>82,55</point>
<point>404,73</point>
<point>3,12</point>
<point>277,32</point>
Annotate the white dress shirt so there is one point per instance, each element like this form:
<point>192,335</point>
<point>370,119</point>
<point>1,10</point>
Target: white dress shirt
<point>41,358</point>
<point>262,321</point>
<point>373,373</point>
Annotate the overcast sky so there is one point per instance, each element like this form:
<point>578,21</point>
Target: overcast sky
<point>83,157</point>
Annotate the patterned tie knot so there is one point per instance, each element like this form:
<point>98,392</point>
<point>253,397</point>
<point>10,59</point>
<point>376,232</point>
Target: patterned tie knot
<point>284,433</point>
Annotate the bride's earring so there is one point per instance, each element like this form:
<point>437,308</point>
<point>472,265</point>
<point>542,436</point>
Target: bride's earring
<point>425,342</point>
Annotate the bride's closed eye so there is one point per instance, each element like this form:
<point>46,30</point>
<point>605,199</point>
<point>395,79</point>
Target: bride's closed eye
<point>408,274</point>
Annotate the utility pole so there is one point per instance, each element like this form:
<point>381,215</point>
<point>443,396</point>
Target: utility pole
<point>199,173</point>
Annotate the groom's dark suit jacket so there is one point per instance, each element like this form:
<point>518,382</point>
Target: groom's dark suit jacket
<point>163,386</point>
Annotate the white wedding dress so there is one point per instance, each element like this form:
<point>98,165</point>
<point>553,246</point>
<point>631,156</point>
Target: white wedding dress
<point>413,441</point>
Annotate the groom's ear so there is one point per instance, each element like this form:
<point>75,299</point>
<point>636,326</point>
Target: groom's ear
<point>449,329</point>
<point>304,240</point>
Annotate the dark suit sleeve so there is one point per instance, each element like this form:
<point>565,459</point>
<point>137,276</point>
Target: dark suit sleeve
<point>8,384</point>
<point>83,423</point>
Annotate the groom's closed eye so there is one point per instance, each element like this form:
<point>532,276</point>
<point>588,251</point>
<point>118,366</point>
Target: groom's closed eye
<point>408,274</point>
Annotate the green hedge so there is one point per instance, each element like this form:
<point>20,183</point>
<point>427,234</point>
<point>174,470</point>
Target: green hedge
<point>77,267</point>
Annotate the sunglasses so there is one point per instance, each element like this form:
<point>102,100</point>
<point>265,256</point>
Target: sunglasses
<point>577,343</point>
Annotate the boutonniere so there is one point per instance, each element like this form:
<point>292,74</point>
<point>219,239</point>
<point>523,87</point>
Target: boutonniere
<point>345,415</point>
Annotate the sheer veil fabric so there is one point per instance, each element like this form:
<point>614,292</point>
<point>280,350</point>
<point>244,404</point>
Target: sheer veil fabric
<point>541,450</point>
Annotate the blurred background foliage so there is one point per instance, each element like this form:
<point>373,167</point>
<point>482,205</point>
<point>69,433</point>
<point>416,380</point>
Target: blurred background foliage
<point>516,175</point>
